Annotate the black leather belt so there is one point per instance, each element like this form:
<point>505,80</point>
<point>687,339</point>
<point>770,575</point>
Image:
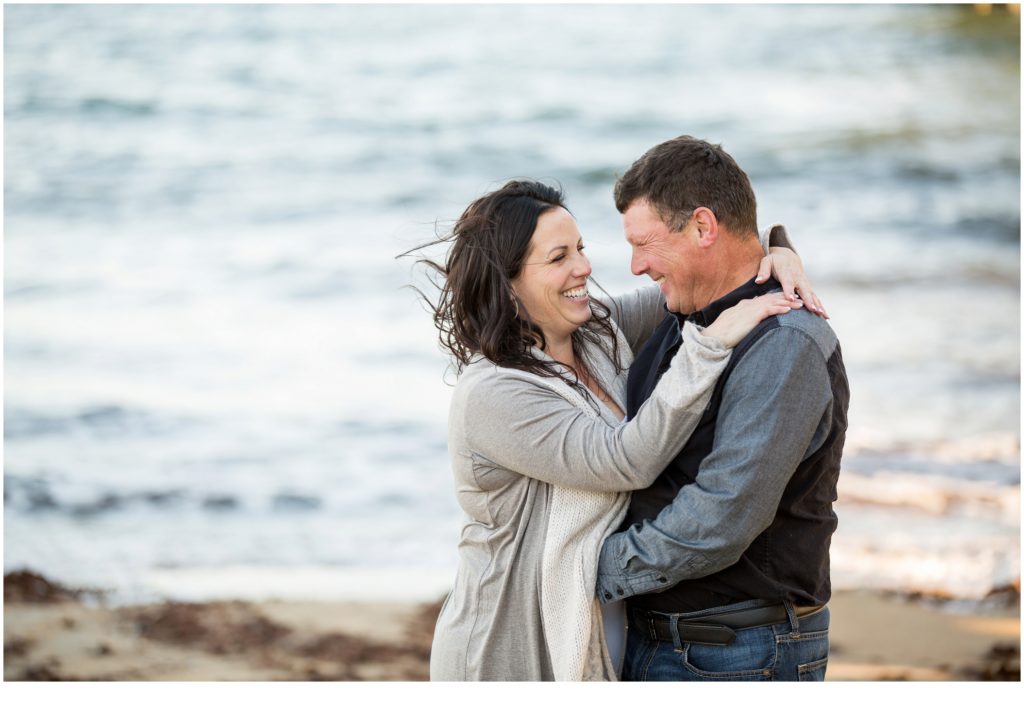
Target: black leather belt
<point>713,629</point>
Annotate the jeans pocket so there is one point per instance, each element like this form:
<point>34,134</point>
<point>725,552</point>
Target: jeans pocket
<point>812,671</point>
<point>751,657</point>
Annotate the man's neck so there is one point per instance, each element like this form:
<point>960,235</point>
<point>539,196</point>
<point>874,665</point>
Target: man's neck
<point>737,262</point>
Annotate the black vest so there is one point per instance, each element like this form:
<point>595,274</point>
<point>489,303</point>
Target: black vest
<point>789,560</point>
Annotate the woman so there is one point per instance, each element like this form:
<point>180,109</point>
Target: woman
<point>542,458</point>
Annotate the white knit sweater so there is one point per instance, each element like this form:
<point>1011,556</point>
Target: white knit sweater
<point>579,521</point>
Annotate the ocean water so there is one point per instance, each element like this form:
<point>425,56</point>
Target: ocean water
<point>217,383</point>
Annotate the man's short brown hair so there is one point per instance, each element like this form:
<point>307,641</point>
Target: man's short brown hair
<point>680,175</point>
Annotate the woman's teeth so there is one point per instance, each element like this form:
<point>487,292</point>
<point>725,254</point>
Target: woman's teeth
<point>576,293</point>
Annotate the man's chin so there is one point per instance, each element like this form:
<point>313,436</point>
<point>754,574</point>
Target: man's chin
<point>679,309</point>
<point>671,303</point>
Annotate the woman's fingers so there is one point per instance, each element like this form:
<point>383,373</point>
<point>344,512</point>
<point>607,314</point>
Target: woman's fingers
<point>788,279</point>
<point>776,303</point>
<point>819,308</point>
<point>813,301</point>
<point>789,289</point>
<point>736,322</point>
<point>791,277</point>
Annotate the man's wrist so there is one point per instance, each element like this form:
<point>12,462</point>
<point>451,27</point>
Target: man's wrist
<point>613,581</point>
<point>607,562</point>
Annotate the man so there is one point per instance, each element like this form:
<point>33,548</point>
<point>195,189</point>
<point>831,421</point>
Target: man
<point>724,559</point>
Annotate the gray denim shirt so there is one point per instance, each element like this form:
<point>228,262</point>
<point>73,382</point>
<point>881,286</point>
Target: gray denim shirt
<point>775,411</point>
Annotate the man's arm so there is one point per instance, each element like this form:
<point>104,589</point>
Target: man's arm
<point>772,407</point>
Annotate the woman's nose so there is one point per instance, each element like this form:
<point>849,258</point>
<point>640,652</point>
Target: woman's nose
<point>583,268</point>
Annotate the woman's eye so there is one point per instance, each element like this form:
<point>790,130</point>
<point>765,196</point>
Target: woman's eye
<point>558,258</point>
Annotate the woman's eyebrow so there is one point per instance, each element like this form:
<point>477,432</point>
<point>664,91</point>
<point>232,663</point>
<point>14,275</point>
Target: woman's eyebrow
<point>556,248</point>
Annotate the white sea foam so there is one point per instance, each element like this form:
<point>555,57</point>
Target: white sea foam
<point>934,494</point>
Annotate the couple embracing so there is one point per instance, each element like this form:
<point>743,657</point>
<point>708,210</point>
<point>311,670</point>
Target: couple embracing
<point>648,479</point>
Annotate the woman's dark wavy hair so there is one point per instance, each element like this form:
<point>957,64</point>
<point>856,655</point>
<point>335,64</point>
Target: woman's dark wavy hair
<point>477,311</point>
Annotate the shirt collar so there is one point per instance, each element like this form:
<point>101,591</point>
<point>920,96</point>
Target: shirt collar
<point>706,316</point>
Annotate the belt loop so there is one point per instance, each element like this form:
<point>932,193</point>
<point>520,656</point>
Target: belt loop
<point>673,624</point>
<point>794,622</point>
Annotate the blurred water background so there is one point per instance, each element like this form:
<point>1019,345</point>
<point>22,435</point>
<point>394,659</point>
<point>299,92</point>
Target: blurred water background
<point>216,385</point>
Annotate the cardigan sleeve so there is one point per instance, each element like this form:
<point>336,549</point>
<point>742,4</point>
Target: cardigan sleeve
<point>526,426</point>
<point>637,313</point>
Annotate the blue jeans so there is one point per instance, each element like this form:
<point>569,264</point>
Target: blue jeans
<point>780,652</point>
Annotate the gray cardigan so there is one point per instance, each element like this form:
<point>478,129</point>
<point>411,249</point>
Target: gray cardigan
<point>519,443</point>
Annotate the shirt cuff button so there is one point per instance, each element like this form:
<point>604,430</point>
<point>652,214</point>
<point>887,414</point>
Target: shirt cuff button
<point>662,579</point>
<point>619,591</point>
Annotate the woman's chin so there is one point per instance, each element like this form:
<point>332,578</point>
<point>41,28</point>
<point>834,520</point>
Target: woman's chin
<point>584,316</point>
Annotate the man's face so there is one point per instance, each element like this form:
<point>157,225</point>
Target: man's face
<point>668,257</point>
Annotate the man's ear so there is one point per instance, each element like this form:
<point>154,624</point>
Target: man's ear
<point>707,227</point>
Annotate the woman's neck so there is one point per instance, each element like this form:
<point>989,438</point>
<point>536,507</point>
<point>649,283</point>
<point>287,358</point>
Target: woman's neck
<point>561,350</point>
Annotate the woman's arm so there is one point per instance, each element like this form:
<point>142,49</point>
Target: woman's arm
<point>782,262</point>
<point>513,422</point>
<point>637,313</point>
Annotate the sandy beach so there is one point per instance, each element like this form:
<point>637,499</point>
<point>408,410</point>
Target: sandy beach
<point>53,633</point>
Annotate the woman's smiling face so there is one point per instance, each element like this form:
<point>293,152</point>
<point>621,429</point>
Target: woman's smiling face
<point>552,284</point>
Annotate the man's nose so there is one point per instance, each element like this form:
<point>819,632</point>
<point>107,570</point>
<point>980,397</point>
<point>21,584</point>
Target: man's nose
<point>637,265</point>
